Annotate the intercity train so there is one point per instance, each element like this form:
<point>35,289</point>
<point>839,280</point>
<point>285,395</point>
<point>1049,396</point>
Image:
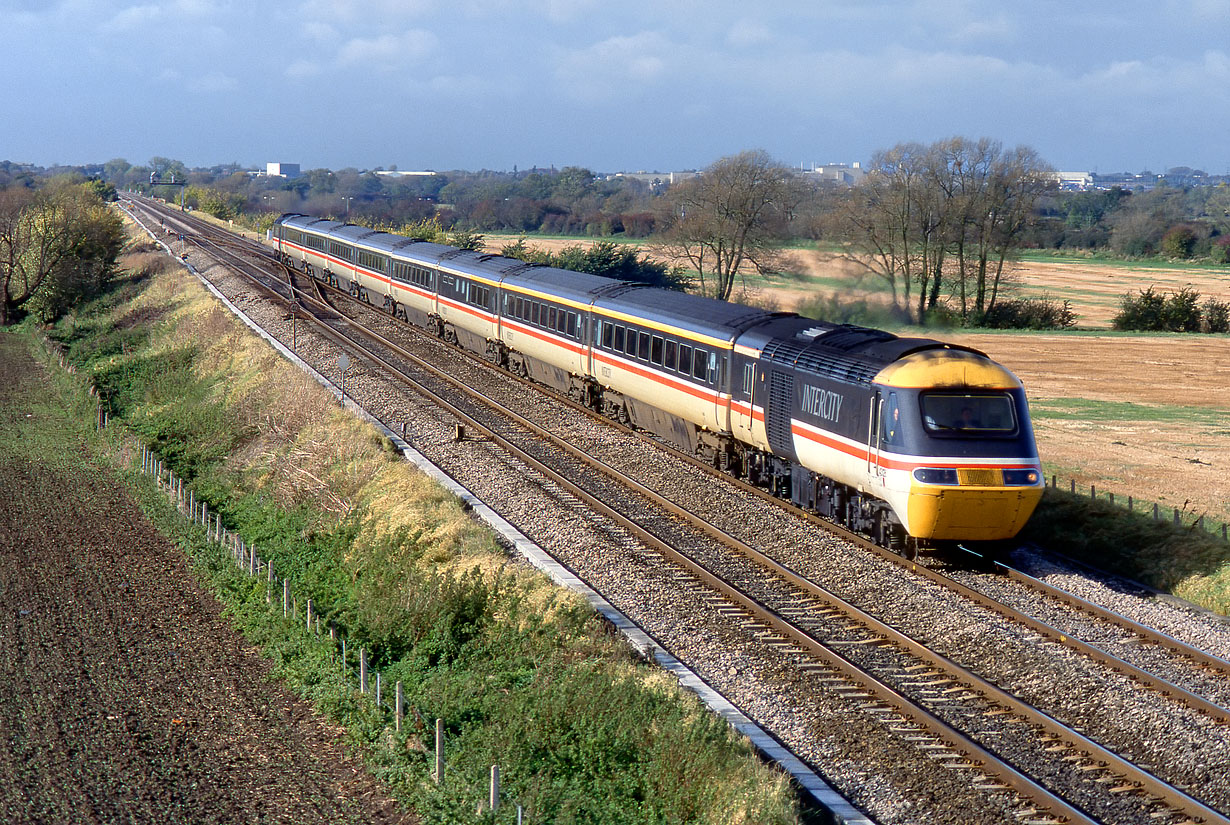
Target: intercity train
<point>910,441</point>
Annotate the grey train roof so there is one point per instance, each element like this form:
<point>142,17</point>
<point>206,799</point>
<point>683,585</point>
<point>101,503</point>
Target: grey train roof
<point>843,352</point>
<point>704,316</point>
<point>581,287</point>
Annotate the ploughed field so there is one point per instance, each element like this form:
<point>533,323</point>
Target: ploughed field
<point>125,696</point>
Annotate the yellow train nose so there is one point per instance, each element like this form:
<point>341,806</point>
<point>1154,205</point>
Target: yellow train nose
<point>970,513</point>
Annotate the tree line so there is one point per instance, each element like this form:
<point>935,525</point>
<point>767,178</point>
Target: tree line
<point>938,225</point>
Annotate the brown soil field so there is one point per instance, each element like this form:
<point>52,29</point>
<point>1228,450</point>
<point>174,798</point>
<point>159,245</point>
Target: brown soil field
<point>1136,415</point>
<point>1143,416</point>
<point>125,695</point>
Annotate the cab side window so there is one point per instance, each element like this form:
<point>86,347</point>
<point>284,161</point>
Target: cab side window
<point>890,421</point>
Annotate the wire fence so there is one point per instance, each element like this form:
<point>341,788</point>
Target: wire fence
<point>1180,517</point>
<point>355,665</point>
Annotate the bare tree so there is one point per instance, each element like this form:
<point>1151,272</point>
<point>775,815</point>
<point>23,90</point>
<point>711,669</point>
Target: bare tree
<point>730,219</point>
<point>35,236</point>
<point>945,217</point>
<point>893,223</point>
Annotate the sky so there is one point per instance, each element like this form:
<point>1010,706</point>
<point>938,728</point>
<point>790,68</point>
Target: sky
<point>654,85</point>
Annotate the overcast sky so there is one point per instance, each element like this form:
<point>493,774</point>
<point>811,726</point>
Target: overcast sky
<point>1103,85</point>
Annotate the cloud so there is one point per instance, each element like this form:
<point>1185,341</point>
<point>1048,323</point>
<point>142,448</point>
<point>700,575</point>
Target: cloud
<point>747,33</point>
<point>615,67</point>
<point>985,32</point>
<point>302,69</point>
<point>563,11</point>
<point>134,18</point>
<point>320,32</point>
<point>212,83</point>
<point>387,52</point>
<point>454,87</point>
<point>373,12</point>
<point>1217,10</point>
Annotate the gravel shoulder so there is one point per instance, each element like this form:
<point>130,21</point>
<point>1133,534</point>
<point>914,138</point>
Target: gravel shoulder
<point>125,695</point>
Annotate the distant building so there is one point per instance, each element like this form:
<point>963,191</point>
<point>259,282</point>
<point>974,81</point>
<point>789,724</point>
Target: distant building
<point>394,173</point>
<point>282,170</point>
<point>1135,181</point>
<point>1075,181</point>
<point>845,174</point>
<point>656,179</point>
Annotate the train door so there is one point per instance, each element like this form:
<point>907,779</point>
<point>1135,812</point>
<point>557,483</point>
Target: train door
<point>719,381</point>
<point>884,429</point>
<point>742,382</point>
<point>590,338</point>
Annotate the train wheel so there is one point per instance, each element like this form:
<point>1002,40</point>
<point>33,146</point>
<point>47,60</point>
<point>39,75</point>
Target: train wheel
<point>909,548</point>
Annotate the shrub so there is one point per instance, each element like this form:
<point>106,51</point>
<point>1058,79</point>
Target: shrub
<point>1219,251</point>
<point>1216,315</point>
<point>1029,313</point>
<point>1178,311</point>
<point>1143,311</point>
<point>1179,242</point>
<point>1181,312</point>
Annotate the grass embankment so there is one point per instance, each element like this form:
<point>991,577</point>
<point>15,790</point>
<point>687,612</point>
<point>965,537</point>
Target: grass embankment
<point>523,674</point>
<point>1180,559</point>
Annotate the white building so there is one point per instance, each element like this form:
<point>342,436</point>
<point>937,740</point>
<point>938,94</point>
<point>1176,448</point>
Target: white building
<point>1075,180</point>
<point>396,173</point>
<point>847,174</point>
<point>282,170</point>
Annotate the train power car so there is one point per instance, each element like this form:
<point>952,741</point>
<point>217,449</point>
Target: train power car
<point>910,441</point>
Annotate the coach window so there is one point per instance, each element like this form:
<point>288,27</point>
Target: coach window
<point>655,350</point>
<point>619,339</point>
<point>572,325</point>
<point>700,364</point>
<point>685,359</point>
<point>550,321</point>
<point>642,349</point>
<point>749,375</point>
<point>672,350</point>
<point>608,333</point>
<point>630,344</point>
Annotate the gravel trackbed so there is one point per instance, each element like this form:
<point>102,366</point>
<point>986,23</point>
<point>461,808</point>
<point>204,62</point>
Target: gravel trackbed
<point>125,696</point>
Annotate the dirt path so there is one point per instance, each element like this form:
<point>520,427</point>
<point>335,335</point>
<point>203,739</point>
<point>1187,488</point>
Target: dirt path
<point>124,694</point>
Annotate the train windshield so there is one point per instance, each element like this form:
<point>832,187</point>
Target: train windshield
<point>974,413</point>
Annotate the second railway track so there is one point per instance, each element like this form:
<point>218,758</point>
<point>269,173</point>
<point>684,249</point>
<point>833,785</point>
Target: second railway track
<point>1124,798</point>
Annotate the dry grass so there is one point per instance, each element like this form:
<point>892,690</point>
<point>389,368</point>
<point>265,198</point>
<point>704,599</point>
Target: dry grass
<point>303,450</point>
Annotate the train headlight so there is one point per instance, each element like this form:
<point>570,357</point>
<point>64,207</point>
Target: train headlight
<point>1021,478</point>
<point>936,475</point>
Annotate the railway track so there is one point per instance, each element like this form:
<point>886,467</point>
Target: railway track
<point>911,686</point>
